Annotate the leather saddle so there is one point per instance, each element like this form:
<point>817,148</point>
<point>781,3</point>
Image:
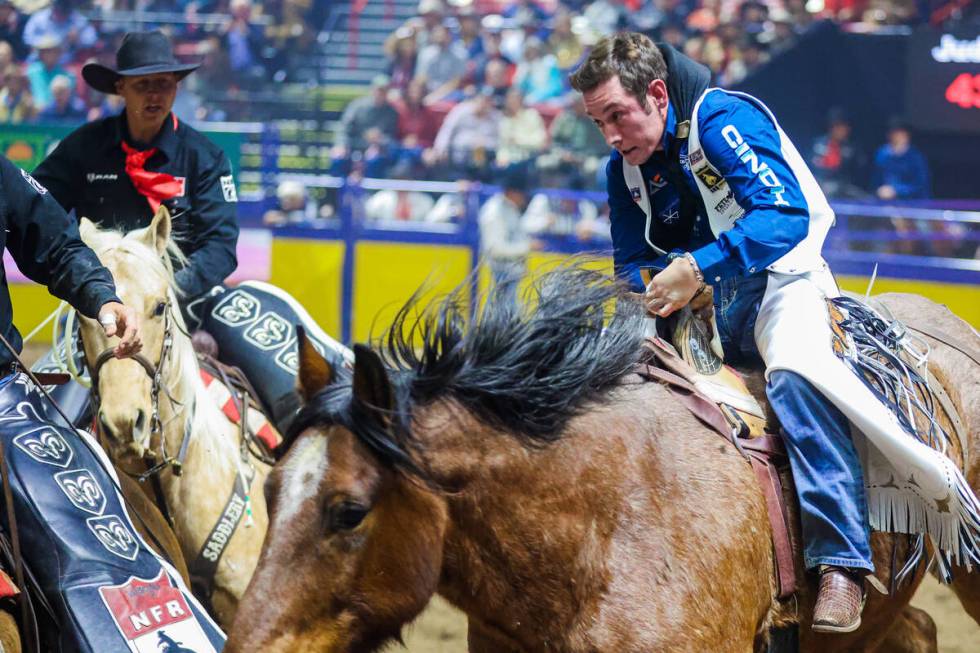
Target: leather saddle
<point>690,365</point>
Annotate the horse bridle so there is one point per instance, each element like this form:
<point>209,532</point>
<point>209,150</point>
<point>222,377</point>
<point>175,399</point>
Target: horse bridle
<point>156,463</point>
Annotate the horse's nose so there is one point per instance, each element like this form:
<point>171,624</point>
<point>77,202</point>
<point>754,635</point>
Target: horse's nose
<point>104,426</point>
<point>115,428</point>
<point>139,423</point>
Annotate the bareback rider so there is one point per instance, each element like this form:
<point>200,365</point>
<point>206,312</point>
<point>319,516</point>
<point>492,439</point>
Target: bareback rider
<point>118,171</point>
<point>705,185</point>
<point>74,532</point>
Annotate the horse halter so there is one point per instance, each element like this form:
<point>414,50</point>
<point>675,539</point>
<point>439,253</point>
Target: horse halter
<point>155,462</point>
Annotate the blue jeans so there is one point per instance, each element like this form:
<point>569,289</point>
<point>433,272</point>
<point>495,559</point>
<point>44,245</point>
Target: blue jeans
<point>826,467</point>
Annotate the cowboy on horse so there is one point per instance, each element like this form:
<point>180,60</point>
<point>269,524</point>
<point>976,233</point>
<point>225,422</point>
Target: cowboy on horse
<point>70,519</point>
<point>119,170</point>
<point>705,187</point>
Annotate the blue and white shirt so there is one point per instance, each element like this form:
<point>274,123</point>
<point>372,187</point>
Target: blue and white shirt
<point>758,205</point>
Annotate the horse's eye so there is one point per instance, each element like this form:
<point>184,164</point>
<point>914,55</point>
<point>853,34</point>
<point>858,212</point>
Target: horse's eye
<point>345,516</point>
<point>159,309</point>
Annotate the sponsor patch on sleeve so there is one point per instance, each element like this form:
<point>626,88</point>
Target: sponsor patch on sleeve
<point>228,188</point>
<point>709,177</point>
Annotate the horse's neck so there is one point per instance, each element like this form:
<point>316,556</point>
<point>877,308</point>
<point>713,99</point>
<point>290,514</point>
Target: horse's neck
<point>520,512</point>
<point>196,416</point>
<point>607,514</point>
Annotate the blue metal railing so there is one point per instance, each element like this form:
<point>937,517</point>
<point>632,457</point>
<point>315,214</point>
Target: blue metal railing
<point>849,250</point>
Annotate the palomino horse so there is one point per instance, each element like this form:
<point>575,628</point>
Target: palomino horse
<point>166,393</point>
<point>521,469</point>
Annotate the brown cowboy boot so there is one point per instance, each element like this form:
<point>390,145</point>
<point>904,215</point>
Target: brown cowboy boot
<point>840,601</point>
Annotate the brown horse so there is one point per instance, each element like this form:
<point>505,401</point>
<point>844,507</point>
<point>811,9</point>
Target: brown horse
<point>519,468</point>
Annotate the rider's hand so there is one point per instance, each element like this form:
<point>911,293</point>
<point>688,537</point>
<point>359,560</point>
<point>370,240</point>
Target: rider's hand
<point>117,319</point>
<point>672,288</point>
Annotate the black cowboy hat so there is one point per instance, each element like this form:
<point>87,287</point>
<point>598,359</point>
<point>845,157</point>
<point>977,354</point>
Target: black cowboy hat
<point>141,53</point>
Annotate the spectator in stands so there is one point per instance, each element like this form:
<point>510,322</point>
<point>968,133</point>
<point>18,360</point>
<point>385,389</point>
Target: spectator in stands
<point>418,124</point>
<point>564,43</point>
<point>12,24</point>
<point>537,75</point>
<point>468,139</point>
<point>836,162</point>
<point>556,214</point>
<point>577,147</point>
<point>522,131</point>
<point>290,39</point>
<point>652,15</point>
<point>752,16</point>
<point>245,42</point>
<point>603,17</point>
<point>401,62</point>
<point>43,71</point>
<point>674,34</point>
<point>783,30</point>
<point>398,204</point>
<point>6,55</point>
<point>800,17</point>
<point>514,33</point>
<point>505,240</point>
<point>492,68</point>
<point>595,229</point>
<point>214,78</point>
<point>705,17</point>
<point>523,11</point>
<point>743,58</point>
<point>469,38</point>
<point>293,205</point>
<point>900,169</point>
<point>497,75</point>
<point>65,105</point>
<point>441,65</point>
<point>377,156</point>
<point>65,24</point>
<point>431,13</point>
<point>902,173</point>
<point>369,111</point>
<point>102,105</point>
<point>16,102</point>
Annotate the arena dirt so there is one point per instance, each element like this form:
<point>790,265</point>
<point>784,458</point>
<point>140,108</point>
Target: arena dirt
<point>442,629</point>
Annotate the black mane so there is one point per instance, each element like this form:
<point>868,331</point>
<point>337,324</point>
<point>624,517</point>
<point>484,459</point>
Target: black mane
<point>525,365</point>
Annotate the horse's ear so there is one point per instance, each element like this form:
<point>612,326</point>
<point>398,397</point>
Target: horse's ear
<point>371,385</point>
<point>158,233</point>
<point>315,372</point>
<point>87,229</point>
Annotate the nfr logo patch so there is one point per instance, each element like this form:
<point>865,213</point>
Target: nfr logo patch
<point>153,616</point>
<point>635,193</point>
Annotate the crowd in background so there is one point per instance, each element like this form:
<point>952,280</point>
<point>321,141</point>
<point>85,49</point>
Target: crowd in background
<point>477,87</point>
<point>243,46</point>
<point>473,90</point>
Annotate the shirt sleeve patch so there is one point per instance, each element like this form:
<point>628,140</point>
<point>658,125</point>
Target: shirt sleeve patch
<point>34,183</point>
<point>228,188</point>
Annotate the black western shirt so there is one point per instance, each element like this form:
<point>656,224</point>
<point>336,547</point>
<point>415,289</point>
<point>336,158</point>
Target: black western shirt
<point>87,172</point>
<point>45,243</point>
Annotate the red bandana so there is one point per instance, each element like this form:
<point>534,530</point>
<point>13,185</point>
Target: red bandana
<point>154,186</point>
